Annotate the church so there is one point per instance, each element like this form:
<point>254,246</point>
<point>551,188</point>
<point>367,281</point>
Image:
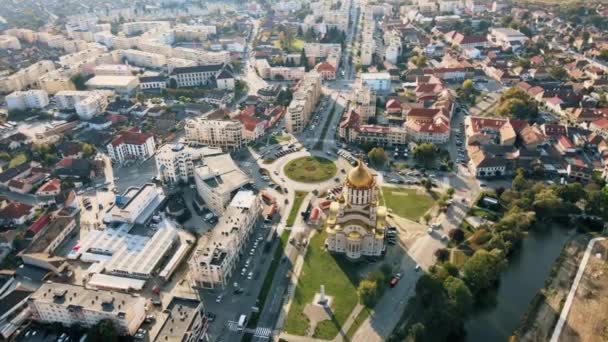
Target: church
<point>356,224</point>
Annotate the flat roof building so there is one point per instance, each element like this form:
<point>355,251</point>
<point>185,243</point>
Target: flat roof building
<point>69,305</point>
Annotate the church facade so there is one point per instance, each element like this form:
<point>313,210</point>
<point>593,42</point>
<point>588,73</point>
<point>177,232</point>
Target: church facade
<point>356,224</point>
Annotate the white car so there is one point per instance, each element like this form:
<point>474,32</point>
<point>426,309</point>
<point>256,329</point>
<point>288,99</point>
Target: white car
<point>250,275</point>
<point>219,298</point>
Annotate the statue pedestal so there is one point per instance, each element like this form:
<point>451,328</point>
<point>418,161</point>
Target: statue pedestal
<point>322,300</point>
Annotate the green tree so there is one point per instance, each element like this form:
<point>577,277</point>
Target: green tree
<point>520,182</point>
<point>515,103</point>
<point>425,154</point>
<point>459,294</point>
<point>368,292</point>
<point>559,73</point>
<point>481,271</point>
<point>450,192</point>
<point>79,81</point>
<point>18,160</point>
<point>88,149</point>
<point>416,333</point>
<point>377,156</point>
<point>103,331</point>
<point>467,85</point>
<point>304,60</point>
<point>427,218</point>
<point>572,192</point>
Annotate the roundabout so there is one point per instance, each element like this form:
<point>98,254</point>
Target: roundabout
<point>310,169</point>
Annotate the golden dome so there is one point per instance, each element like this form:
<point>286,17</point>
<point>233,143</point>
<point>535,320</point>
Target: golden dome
<point>360,177</point>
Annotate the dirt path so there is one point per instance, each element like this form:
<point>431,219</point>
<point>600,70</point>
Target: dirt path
<point>544,310</point>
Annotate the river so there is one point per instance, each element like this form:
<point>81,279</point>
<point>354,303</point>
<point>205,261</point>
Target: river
<point>519,283</point>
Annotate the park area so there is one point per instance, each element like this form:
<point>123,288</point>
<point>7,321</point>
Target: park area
<point>310,169</point>
<point>408,203</point>
<point>340,280</point>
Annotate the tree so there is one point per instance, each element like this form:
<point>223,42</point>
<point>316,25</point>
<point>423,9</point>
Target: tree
<point>79,81</point>
<point>481,271</point>
<point>442,254</point>
<point>427,218</point>
<point>467,85</point>
<point>571,192</point>
<point>18,160</point>
<point>429,289</point>
<point>368,292</point>
<point>377,156</point>
<point>516,103</point>
<point>416,333</point>
<point>172,83</point>
<point>427,183</point>
<point>459,295</point>
<point>304,59</point>
<point>103,331</point>
<point>450,192</point>
<point>603,55</point>
<point>519,181</point>
<point>425,153</point>
<point>457,235</point>
<point>558,72</point>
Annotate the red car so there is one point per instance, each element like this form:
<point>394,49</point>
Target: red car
<point>394,281</point>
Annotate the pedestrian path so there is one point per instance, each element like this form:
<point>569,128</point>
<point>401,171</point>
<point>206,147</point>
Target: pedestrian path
<point>261,332</point>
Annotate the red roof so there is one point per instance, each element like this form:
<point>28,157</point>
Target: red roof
<point>52,185</point>
<point>131,138</point>
<point>565,142</point>
<point>314,214</point>
<point>15,210</point>
<point>325,66</point>
<point>479,123</point>
<point>393,103</point>
<point>423,113</point>
<point>350,120</point>
<point>601,123</point>
<point>249,111</point>
<point>249,122</point>
<point>40,223</point>
<point>460,39</point>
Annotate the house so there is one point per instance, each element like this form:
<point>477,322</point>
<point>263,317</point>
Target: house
<point>100,123</point>
<point>225,80</point>
<point>19,171</point>
<point>50,188</point>
<point>14,142</point>
<point>393,107</point>
<point>579,173</point>
<point>70,149</point>
<point>532,137</point>
<point>16,213</point>
<point>327,71</point>
<point>72,167</point>
<point>484,131</point>
<point>600,126</point>
<point>152,82</point>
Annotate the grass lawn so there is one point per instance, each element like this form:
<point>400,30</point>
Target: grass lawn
<point>297,203</point>
<point>340,280</point>
<point>406,202</point>
<point>361,317</point>
<point>296,45</point>
<point>310,169</point>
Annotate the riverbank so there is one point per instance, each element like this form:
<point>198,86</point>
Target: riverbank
<point>542,314</point>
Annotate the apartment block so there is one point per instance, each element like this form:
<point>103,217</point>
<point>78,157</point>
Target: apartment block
<point>27,99</point>
<point>217,253</point>
<point>128,145</point>
<point>214,132</point>
<point>303,103</point>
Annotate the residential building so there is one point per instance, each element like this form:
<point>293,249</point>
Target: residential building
<point>355,223</point>
<point>484,131</point>
<point>113,70</point>
<point>129,145</point>
<point>303,103</point>
<point>217,180</point>
<point>185,322</point>
<point>225,80</point>
<point>214,131</point>
<point>25,77</point>
<point>217,253</point>
<point>176,162</point>
<point>27,99</point>
<point>326,70</point>
<point>72,305</point>
<point>9,43</point>
<point>144,59</point>
<point>16,213</point>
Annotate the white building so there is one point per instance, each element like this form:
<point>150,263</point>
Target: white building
<point>72,305</point>
<point>119,84</point>
<point>129,145</point>
<point>303,103</point>
<point>218,252</point>
<point>356,224</point>
<point>144,59</point>
<point>376,81</point>
<point>223,133</point>
<point>196,75</point>
<point>507,37</point>
<point>217,179</point>
<point>25,77</point>
<point>152,82</point>
<point>27,99</point>
<point>175,162</point>
<point>86,103</point>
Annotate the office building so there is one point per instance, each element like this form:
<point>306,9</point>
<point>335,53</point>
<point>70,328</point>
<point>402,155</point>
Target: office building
<point>217,180</point>
<point>303,103</point>
<point>175,162</point>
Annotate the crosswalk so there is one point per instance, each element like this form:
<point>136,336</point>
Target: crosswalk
<point>259,332</point>
<point>262,332</point>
